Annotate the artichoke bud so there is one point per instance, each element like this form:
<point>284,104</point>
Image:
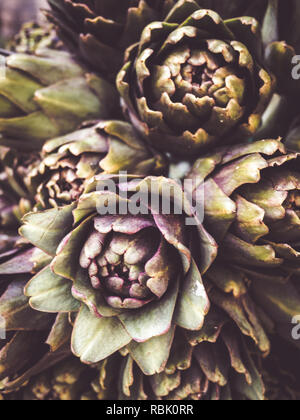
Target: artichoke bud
<point>120,271</point>
<point>122,266</point>
<point>33,37</point>
<point>252,203</point>
<point>252,208</point>
<point>48,94</point>
<point>70,161</point>
<point>195,80</point>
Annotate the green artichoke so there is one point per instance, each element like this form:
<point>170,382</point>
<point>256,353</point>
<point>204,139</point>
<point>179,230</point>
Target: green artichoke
<point>195,80</point>
<point>129,279</point>
<point>33,37</point>
<point>104,28</point>
<point>46,95</point>
<point>252,209</point>
<point>71,160</point>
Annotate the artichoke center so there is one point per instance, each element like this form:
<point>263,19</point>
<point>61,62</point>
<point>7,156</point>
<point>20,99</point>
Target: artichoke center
<point>198,81</point>
<point>117,266</point>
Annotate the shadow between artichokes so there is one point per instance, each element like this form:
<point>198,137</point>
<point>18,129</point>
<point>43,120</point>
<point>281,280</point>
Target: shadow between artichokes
<point>252,210</point>
<point>130,279</point>
<point>195,80</point>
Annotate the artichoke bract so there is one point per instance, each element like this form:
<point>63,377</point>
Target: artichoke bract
<point>195,80</point>
<point>131,278</point>
<point>68,162</point>
<point>48,94</point>
<point>252,203</point>
<point>32,341</point>
<point>252,209</point>
<point>213,364</point>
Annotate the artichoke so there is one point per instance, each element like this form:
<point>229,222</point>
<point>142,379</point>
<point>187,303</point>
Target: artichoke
<point>252,209</point>
<point>70,161</point>
<point>33,37</point>
<point>195,80</point>
<point>129,280</point>
<point>47,95</point>
<point>104,28</point>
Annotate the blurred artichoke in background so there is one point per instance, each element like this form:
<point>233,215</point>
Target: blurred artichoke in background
<point>68,162</point>
<point>131,279</point>
<point>48,94</point>
<point>33,37</point>
<point>195,81</point>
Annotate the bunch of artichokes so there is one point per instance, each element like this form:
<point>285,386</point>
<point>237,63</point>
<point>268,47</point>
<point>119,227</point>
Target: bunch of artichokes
<point>150,202</point>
